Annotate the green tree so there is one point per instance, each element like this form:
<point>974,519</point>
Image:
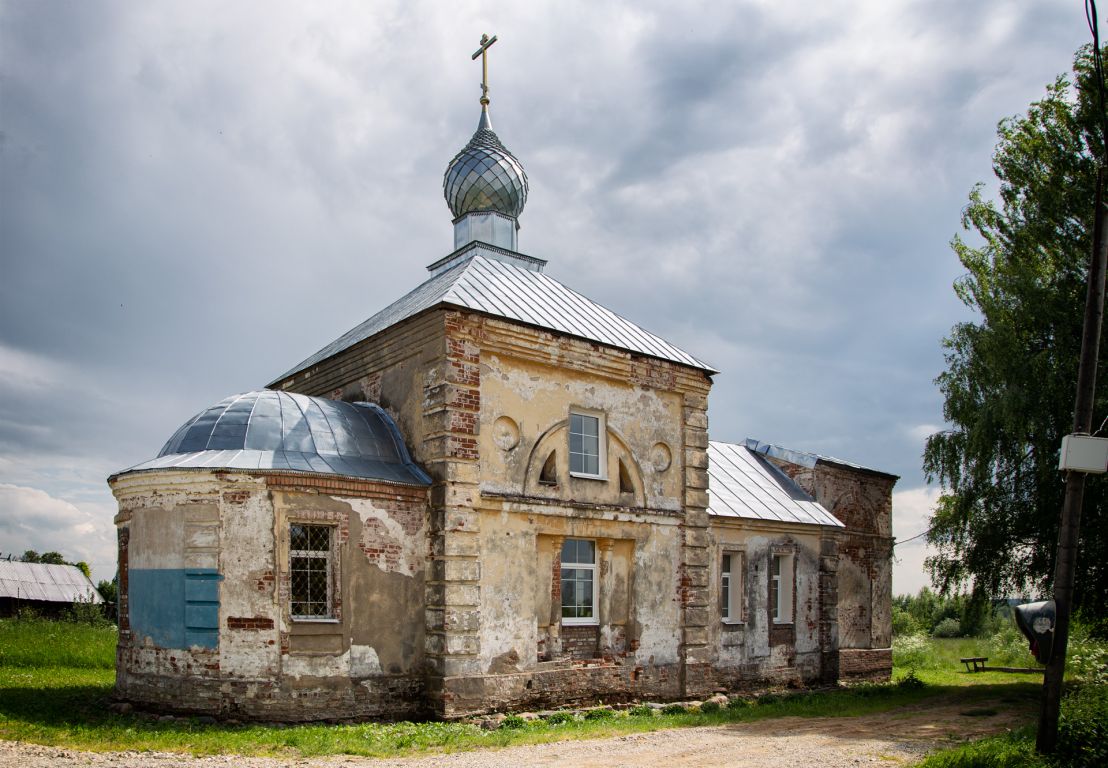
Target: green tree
<point>1011,378</point>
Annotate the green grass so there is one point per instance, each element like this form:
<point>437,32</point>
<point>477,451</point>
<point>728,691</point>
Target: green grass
<point>45,643</point>
<point>55,684</point>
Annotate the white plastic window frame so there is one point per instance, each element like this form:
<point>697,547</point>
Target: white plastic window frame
<point>732,570</point>
<point>328,556</point>
<point>593,620</point>
<point>601,443</point>
<point>781,573</point>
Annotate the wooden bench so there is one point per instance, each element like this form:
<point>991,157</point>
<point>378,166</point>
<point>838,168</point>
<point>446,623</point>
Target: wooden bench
<point>978,663</point>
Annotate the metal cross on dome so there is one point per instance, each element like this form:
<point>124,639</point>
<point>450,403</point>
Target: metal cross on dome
<point>486,43</point>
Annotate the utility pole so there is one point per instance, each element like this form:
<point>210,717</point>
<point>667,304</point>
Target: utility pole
<point>1064,564</point>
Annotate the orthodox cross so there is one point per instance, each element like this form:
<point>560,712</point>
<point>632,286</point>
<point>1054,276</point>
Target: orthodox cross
<point>486,43</point>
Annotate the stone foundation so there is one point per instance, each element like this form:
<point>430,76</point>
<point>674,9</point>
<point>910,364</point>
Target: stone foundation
<point>865,664</point>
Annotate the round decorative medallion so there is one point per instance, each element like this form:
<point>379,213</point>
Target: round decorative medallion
<point>661,457</point>
<point>505,433</point>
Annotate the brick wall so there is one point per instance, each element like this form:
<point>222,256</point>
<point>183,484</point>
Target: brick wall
<point>865,663</point>
<point>580,642</point>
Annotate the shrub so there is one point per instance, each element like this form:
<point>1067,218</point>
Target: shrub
<point>1083,728</point>
<point>910,682</point>
<point>948,628</point>
<point>710,706</point>
<point>910,651</point>
<point>558,718</point>
<point>674,709</point>
<point>904,623</point>
<point>599,714</point>
<point>1009,646</point>
<point>641,710</point>
<point>1087,660</point>
<point>513,722</point>
<point>739,703</point>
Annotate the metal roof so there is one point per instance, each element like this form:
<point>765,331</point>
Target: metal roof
<point>281,431</point>
<point>742,483</point>
<point>807,459</point>
<point>485,279</point>
<point>50,583</point>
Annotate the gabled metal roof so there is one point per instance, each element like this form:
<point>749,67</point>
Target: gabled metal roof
<point>286,432</point>
<point>483,279</point>
<point>742,483</point>
<point>49,583</point>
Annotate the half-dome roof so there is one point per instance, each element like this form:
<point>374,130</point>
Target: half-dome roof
<point>280,431</point>
<point>485,176</point>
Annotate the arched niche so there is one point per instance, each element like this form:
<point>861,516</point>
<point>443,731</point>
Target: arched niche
<point>547,472</point>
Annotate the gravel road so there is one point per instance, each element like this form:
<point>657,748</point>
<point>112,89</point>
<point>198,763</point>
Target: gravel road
<point>897,737</point>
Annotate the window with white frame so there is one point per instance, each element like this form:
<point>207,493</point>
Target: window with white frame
<point>731,588</point>
<point>579,581</point>
<point>586,444</point>
<point>310,572</point>
<point>781,587</point>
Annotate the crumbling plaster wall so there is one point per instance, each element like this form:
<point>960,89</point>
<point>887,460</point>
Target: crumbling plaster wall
<point>862,500</point>
<point>367,661</point>
<point>754,650</point>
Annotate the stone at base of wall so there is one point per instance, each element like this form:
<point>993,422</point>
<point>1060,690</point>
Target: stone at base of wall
<point>385,697</point>
<point>865,663</point>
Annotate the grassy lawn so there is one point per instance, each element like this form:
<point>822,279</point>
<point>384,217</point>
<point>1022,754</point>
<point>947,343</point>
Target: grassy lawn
<point>55,681</point>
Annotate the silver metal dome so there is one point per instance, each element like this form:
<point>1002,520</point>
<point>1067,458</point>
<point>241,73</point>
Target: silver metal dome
<point>485,176</point>
<point>281,431</point>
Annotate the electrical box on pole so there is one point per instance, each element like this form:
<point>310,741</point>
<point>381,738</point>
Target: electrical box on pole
<point>1082,453</point>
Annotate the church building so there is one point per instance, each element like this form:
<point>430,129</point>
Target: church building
<point>492,494</point>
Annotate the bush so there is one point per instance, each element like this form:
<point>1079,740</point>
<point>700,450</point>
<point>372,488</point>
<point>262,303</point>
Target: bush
<point>599,714</point>
<point>739,703</point>
<point>905,623</point>
<point>947,628</point>
<point>641,710</point>
<point>910,651</point>
<point>710,706</point>
<point>1083,728</point>
<point>674,709</point>
<point>910,682</point>
<point>513,722</point>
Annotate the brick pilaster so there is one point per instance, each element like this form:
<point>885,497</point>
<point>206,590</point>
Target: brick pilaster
<point>696,654</point>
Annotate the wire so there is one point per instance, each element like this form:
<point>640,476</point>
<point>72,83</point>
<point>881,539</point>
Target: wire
<point>1098,71</point>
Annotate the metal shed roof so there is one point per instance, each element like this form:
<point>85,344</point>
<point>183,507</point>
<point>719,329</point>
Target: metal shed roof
<point>741,483</point>
<point>490,281</point>
<point>806,458</point>
<point>50,583</point>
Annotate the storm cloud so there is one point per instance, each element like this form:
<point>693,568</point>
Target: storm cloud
<point>196,196</point>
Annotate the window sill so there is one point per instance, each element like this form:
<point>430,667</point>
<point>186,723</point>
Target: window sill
<point>733,622</point>
<point>309,620</point>
<point>583,476</point>
<point>580,623</point>
<point>778,623</point>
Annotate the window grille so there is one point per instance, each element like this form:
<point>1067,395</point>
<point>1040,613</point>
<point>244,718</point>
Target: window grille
<point>310,571</point>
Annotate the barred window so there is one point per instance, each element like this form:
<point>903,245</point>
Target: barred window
<point>579,582</point>
<point>310,571</point>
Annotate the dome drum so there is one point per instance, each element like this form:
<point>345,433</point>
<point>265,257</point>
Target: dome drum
<point>487,227</point>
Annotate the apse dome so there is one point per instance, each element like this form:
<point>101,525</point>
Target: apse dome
<point>284,432</point>
<point>485,176</point>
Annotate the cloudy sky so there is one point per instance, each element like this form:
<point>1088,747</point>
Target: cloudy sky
<point>194,196</point>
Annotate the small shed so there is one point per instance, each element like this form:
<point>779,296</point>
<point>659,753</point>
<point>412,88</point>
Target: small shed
<point>46,588</point>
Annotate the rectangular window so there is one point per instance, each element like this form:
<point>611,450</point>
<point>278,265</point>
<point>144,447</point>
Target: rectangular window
<point>731,588</point>
<point>585,445</point>
<point>579,582</point>
<point>781,588</point>
<point>310,573</point>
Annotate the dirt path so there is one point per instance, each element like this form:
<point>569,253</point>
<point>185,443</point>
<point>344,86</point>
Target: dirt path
<point>896,737</point>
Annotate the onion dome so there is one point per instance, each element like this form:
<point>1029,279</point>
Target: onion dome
<point>271,431</point>
<point>485,176</point>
